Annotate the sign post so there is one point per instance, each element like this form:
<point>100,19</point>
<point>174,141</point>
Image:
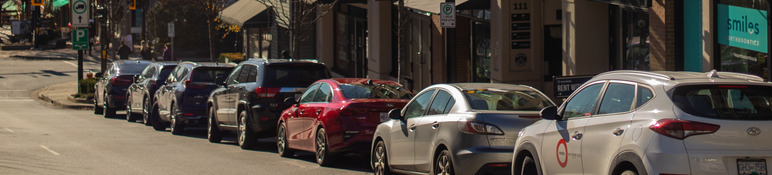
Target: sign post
<point>170,30</point>
<point>80,13</point>
<point>448,14</point>
<point>80,37</point>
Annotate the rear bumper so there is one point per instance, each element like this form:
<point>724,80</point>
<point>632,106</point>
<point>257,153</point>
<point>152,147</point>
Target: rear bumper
<point>483,161</point>
<point>723,162</point>
<point>194,117</point>
<point>358,141</point>
<point>264,122</point>
<point>117,102</point>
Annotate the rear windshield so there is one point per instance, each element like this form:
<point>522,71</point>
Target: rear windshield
<point>210,74</point>
<point>387,91</point>
<point>133,68</point>
<point>506,100</point>
<point>730,102</point>
<point>165,72</point>
<point>294,75</point>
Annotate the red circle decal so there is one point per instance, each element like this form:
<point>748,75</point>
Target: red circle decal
<point>565,152</point>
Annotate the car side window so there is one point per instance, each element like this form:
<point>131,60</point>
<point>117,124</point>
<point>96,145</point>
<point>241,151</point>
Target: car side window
<point>583,102</point>
<point>308,96</point>
<point>644,95</point>
<point>233,77</point>
<point>244,75</point>
<point>439,103</point>
<point>172,78</point>
<point>148,72</point>
<point>417,107</point>
<point>324,94</point>
<point>618,98</point>
<point>182,75</point>
<point>253,74</point>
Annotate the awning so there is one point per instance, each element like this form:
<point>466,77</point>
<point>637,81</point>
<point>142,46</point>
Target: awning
<point>474,5</point>
<point>432,6</point>
<point>9,5</point>
<point>246,13</point>
<point>634,4</point>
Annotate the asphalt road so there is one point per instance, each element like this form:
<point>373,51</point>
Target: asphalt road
<point>37,138</point>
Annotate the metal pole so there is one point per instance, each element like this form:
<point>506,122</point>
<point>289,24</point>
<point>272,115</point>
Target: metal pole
<point>80,68</point>
<point>172,58</point>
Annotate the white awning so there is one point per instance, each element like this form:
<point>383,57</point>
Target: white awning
<point>242,11</point>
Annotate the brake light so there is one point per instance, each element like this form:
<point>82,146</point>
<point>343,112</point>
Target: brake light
<point>681,129</point>
<point>120,81</point>
<point>352,111</point>
<point>194,85</point>
<point>475,127</point>
<point>266,92</point>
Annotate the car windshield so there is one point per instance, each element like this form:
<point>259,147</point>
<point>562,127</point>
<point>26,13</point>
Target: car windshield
<point>293,75</point>
<point>505,100</point>
<point>165,72</point>
<point>728,102</point>
<point>133,68</point>
<point>374,91</point>
<point>210,74</point>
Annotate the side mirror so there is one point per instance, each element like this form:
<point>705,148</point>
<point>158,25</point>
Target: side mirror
<point>549,113</point>
<point>289,101</point>
<point>98,75</point>
<point>395,114</point>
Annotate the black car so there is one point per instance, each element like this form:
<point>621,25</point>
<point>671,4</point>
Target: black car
<point>110,90</point>
<point>140,95</point>
<point>252,98</point>
<point>182,101</point>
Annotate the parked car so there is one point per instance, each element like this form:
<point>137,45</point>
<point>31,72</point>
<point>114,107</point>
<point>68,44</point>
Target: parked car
<point>142,92</point>
<point>110,89</point>
<point>338,116</point>
<point>252,98</point>
<point>182,100</point>
<point>637,122</point>
<point>466,128</point>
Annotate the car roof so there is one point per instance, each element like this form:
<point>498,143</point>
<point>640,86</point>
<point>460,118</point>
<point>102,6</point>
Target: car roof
<point>462,86</point>
<point>361,81</point>
<point>679,77</point>
<point>281,61</point>
<point>165,63</point>
<point>121,62</point>
<point>206,64</point>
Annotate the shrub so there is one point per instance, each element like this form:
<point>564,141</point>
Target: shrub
<point>235,57</point>
<point>86,86</point>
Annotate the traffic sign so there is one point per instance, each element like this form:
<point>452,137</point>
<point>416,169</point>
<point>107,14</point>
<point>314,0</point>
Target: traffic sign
<point>448,15</point>
<point>80,39</point>
<point>170,28</point>
<point>79,13</point>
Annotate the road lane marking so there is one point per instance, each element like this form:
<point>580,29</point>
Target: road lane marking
<point>9,130</point>
<point>14,100</point>
<point>73,64</point>
<point>49,150</point>
<point>12,90</point>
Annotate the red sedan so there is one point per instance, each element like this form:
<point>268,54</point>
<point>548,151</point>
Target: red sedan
<point>337,116</point>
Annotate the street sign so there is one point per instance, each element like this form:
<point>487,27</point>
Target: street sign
<point>448,15</point>
<point>133,4</point>
<point>79,13</point>
<point>80,39</point>
<point>171,29</point>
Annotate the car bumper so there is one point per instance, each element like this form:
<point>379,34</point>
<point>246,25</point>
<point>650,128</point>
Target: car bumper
<point>264,122</point>
<point>358,141</point>
<point>483,161</point>
<point>194,117</point>
<point>117,102</point>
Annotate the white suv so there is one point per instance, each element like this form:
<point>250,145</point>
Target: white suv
<point>636,122</point>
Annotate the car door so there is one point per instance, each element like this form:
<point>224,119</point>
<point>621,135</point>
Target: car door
<point>401,147</point>
<point>427,129</point>
<point>562,140</point>
<point>164,93</point>
<point>225,105</point>
<point>604,131</point>
<point>312,113</point>
<point>295,124</point>
<point>239,92</point>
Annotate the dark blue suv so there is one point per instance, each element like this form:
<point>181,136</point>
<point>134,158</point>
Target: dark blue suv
<point>139,98</point>
<point>182,101</point>
<point>110,89</point>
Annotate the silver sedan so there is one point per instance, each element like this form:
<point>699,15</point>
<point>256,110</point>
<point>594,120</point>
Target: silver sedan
<point>467,128</point>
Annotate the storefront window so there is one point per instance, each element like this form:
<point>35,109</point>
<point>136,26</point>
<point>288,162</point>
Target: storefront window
<point>481,47</point>
<point>742,36</point>
<point>635,35</point>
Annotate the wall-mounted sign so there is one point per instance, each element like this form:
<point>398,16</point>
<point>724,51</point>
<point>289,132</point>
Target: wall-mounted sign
<point>742,27</point>
<point>564,86</point>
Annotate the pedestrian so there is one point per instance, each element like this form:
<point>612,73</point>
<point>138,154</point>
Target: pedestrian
<point>124,51</point>
<point>145,52</point>
<point>168,52</point>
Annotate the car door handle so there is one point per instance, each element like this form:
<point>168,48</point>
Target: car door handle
<point>412,127</point>
<point>318,111</point>
<point>577,136</point>
<point>435,125</point>
<point>618,132</point>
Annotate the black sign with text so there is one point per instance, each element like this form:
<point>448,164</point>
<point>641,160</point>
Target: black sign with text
<point>564,86</point>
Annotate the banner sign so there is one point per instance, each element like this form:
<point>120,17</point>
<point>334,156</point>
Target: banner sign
<point>742,27</point>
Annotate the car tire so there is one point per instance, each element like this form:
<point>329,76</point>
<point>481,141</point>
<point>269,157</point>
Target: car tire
<point>146,112</point>
<point>246,138</point>
<point>108,111</point>
<point>529,166</point>
<point>97,108</point>
<point>323,156</point>
<point>158,125</point>
<point>281,142</point>
<point>443,164</point>
<point>629,172</point>
<point>131,116</point>
<point>379,160</point>
<point>213,133</point>
<point>177,126</point>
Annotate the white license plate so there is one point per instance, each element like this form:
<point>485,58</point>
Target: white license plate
<point>751,167</point>
<point>384,117</point>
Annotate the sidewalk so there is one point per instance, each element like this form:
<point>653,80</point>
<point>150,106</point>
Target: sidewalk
<point>61,95</point>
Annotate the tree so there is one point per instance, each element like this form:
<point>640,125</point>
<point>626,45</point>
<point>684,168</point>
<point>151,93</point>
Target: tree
<point>213,10</point>
<point>298,17</point>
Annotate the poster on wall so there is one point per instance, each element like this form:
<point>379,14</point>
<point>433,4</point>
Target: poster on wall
<point>742,38</point>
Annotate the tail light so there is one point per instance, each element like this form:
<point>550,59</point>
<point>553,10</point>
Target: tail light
<point>194,85</point>
<point>120,81</point>
<point>475,127</point>
<point>352,111</point>
<point>680,129</point>
<point>266,92</point>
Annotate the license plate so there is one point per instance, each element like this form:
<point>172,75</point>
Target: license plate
<point>384,116</point>
<point>751,167</point>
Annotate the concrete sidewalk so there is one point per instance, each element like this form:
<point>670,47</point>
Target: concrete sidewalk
<point>61,95</point>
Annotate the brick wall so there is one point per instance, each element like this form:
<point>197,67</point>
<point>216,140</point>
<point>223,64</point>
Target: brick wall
<point>662,30</point>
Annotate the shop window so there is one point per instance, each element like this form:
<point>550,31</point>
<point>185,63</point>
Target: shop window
<point>741,27</point>
<point>635,38</point>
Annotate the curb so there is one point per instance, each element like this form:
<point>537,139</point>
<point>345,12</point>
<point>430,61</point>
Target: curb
<point>41,57</point>
<point>49,100</point>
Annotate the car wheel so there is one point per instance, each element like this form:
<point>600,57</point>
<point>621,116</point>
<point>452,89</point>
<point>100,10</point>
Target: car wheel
<point>443,165</point>
<point>245,136</point>
<point>529,166</point>
<point>130,115</point>
<point>108,111</point>
<point>281,142</point>
<point>379,161</point>
<point>323,156</point>
<point>146,112</point>
<point>178,127</point>
<point>97,108</point>
<point>158,125</point>
<point>628,172</point>
<point>213,132</point>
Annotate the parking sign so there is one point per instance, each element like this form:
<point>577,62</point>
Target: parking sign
<point>80,39</point>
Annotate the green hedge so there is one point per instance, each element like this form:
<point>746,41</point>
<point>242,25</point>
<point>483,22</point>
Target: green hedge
<point>235,57</point>
<point>86,87</point>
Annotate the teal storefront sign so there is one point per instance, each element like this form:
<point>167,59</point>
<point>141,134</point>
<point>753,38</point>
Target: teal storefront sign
<point>742,27</point>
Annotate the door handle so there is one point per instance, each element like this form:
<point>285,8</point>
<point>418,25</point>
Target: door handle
<point>318,111</point>
<point>576,136</point>
<point>618,132</point>
<point>435,125</point>
<point>412,127</point>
